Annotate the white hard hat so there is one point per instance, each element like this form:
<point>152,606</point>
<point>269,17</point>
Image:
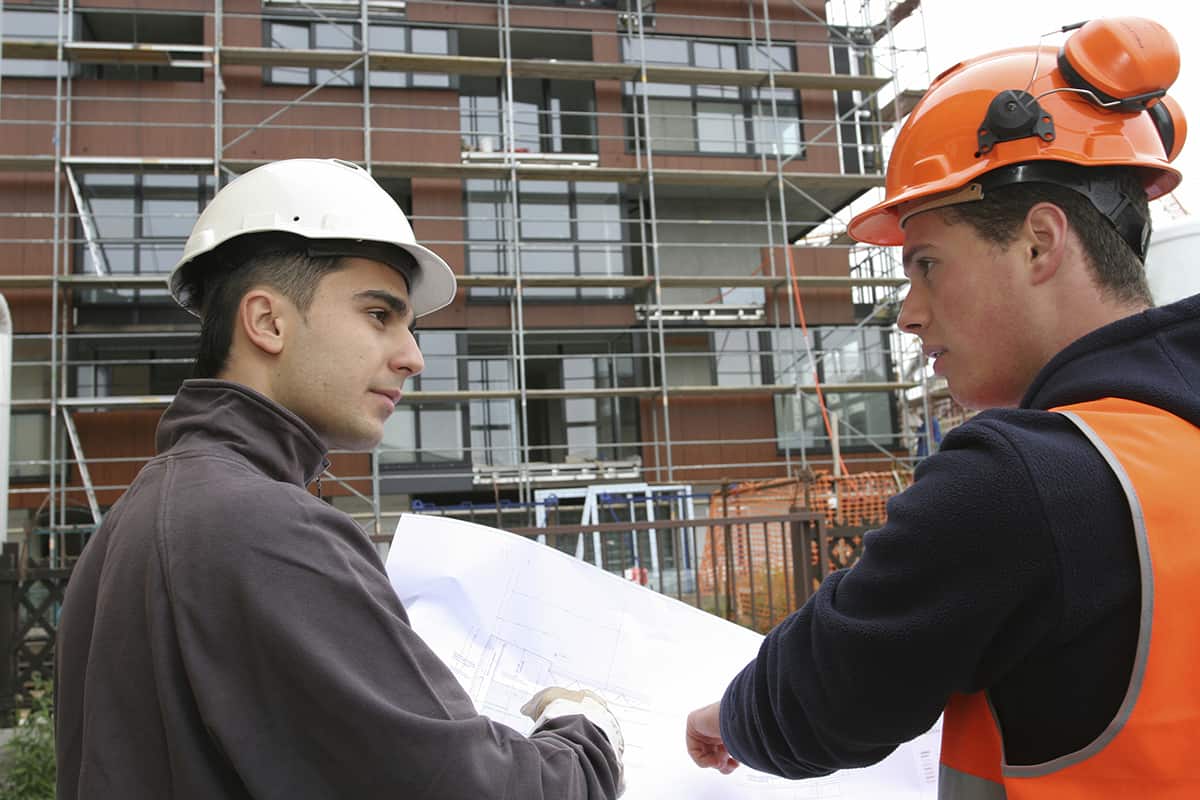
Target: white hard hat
<point>317,199</point>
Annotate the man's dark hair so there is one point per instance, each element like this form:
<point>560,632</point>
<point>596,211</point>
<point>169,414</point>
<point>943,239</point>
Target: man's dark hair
<point>227,277</point>
<point>1118,271</point>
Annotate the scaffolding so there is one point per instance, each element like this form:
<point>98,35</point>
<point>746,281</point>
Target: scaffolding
<point>338,96</point>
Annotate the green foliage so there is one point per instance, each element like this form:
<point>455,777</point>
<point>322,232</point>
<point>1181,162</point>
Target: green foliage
<point>30,772</point>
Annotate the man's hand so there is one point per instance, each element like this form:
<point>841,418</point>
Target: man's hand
<point>555,701</point>
<point>704,742</point>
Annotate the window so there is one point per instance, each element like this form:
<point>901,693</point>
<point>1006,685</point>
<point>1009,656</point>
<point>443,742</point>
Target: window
<point>142,27</point>
<point>549,116</point>
<point>716,119</point>
<point>580,412</point>
<point>123,369</point>
<point>566,229</point>
<point>741,357</point>
<point>581,428</point>
<point>859,129</point>
<point>29,445</point>
<point>35,25</point>
<point>845,355</point>
<point>428,432</point>
<point>493,422</point>
<point>29,431</point>
<point>135,224</point>
<point>335,34</point>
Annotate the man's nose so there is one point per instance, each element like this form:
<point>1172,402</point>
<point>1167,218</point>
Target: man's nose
<point>408,356</point>
<point>914,311</point>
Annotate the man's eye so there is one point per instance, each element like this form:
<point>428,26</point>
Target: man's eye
<point>379,314</point>
<point>924,264</point>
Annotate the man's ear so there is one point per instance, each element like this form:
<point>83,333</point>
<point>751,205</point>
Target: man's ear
<point>1044,237</point>
<point>261,319</point>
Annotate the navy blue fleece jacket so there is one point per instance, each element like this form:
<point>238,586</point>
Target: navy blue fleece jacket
<point>1008,566</point>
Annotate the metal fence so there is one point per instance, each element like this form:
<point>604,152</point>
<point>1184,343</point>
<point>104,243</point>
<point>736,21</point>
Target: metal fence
<point>30,600</point>
<point>750,570</point>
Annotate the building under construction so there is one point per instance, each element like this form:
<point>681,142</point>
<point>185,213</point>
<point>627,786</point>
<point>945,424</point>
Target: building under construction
<point>644,202</point>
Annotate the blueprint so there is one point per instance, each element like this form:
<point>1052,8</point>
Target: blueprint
<point>510,616</point>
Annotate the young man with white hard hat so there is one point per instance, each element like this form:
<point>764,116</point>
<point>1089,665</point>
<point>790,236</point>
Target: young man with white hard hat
<point>225,633</point>
<point>1036,583</point>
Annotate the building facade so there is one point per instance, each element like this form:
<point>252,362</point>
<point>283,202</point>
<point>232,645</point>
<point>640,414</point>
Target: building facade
<point>629,192</point>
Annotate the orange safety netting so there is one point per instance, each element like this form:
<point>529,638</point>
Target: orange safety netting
<point>759,556</point>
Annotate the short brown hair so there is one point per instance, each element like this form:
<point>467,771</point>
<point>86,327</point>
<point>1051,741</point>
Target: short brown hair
<point>292,272</point>
<point>1117,269</point>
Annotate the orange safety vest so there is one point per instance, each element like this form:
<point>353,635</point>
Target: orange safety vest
<point>1149,748</point>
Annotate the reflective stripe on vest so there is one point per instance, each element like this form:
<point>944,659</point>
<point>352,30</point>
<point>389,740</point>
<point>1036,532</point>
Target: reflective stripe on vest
<point>1148,748</point>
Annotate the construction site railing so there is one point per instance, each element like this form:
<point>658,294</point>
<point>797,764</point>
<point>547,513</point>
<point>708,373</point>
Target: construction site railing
<point>750,570</point>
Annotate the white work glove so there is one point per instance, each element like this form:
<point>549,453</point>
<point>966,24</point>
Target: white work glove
<point>555,701</point>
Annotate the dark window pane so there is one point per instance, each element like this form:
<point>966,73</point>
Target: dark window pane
<point>289,37</point>
<point>399,443</point>
<point>37,25</point>
<point>671,125</point>
<point>721,127</point>
<point>545,220</point>
<point>434,42</point>
<point>164,218</point>
<point>335,37</point>
<point>441,434</point>
<point>389,39</point>
<point>599,222</point>
<point>113,217</point>
<point>716,56</point>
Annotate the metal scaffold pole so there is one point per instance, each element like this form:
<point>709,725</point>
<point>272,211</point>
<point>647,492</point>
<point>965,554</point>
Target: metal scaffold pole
<point>218,91</point>
<point>364,37</point>
<point>55,268</point>
<point>797,397</point>
<point>364,34</point>
<point>770,226</point>
<point>658,289</point>
<point>525,491</point>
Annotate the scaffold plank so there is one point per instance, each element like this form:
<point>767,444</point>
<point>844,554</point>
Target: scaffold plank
<point>156,401</point>
<point>103,52</point>
<point>128,53</point>
<point>813,181</point>
<point>26,163</point>
<point>681,177</point>
<point>546,68</point>
<point>284,57</point>
<point>143,163</point>
<point>82,281</point>
<point>38,49</point>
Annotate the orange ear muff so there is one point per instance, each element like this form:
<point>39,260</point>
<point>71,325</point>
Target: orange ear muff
<point>1171,124</point>
<point>1126,62</point>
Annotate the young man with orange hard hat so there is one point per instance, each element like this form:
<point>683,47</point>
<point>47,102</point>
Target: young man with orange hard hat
<point>1035,584</point>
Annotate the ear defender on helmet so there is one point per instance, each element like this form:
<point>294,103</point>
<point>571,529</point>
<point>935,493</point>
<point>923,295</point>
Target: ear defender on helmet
<point>1127,64</point>
<point>1171,124</point>
<point>1123,64</point>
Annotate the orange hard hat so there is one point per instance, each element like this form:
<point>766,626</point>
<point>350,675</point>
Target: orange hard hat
<point>1100,101</point>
